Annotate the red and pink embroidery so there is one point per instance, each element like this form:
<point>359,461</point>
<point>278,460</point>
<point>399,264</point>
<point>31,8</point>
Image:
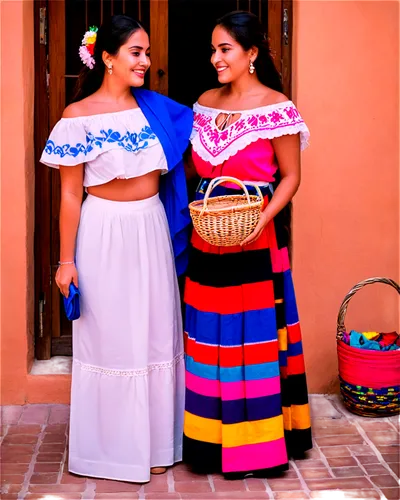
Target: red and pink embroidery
<point>267,122</point>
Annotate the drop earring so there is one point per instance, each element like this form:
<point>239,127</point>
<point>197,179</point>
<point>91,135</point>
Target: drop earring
<point>251,68</point>
<point>110,69</point>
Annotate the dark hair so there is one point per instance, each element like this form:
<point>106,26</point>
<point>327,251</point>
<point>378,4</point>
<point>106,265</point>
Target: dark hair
<point>246,29</point>
<point>110,36</point>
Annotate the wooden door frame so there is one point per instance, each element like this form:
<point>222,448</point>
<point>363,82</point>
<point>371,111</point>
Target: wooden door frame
<point>49,103</point>
<point>42,188</point>
<point>49,66</point>
<point>286,43</point>
<point>56,24</point>
<point>159,52</point>
<point>280,28</point>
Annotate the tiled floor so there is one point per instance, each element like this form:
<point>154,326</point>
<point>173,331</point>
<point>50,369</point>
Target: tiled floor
<point>353,457</point>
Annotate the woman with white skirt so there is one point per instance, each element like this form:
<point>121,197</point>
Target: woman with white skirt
<point>123,249</point>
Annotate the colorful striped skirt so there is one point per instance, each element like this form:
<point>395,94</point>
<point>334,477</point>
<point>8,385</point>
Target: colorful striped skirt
<point>246,407</point>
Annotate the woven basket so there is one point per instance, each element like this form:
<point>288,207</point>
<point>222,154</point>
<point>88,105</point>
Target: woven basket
<point>226,220</point>
<point>369,380</point>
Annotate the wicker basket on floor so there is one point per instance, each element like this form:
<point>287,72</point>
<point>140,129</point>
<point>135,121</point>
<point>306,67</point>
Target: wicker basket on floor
<point>226,220</point>
<point>369,380</point>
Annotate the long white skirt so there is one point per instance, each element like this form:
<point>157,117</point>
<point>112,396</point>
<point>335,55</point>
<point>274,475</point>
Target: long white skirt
<point>127,398</point>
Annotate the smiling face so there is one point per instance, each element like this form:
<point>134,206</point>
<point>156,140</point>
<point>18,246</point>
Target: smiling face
<point>132,60</point>
<point>228,57</point>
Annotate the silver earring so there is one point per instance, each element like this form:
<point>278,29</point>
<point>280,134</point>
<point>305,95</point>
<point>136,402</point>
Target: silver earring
<point>251,68</point>
<point>110,69</point>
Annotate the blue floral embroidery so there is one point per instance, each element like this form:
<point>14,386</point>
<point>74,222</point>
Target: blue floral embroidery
<point>131,142</point>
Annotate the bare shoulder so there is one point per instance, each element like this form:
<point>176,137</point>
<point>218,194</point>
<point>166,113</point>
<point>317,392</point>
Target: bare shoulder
<point>273,97</point>
<point>209,98</point>
<point>75,110</point>
<point>85,107</point>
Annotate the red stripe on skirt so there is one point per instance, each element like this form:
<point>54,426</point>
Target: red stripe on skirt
<point>261,353</point>
<point>295,365</point>
<point>294,333</point>
<point>232,299</point>
<point>206,354</point>
<point>229,357</point>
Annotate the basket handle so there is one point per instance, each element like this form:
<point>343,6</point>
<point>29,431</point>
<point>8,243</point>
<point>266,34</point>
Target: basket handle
<point>343,308</point>
<point>220,180</point>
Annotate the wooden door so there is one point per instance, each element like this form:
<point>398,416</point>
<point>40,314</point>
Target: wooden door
<point>190,26</point>
<point>180,40</point>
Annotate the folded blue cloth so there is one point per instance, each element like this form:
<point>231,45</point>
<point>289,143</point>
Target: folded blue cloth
<point>71,304</point>
<point>359,340</point>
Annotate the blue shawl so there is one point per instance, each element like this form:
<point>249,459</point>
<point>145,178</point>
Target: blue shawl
<point>172,123</point>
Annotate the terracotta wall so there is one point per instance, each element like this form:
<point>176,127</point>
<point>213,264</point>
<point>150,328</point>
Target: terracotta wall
<point>346,214</point>
<point>17,197</point>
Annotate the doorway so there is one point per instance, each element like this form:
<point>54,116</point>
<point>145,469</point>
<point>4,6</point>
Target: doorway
<point>180,69</point>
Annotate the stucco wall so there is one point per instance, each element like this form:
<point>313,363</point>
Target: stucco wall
<point>17,197</point>
<point>346,214</point>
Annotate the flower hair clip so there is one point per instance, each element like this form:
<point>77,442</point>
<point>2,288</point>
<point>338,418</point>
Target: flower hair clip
<point>86,50</point>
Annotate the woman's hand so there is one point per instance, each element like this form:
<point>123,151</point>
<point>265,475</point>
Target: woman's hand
<point>287,152</point>
<point>65,275</point>
<point>257,231</point>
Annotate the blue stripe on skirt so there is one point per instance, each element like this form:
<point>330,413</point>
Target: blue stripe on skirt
<point>231,329</point>
<point>233,411</point>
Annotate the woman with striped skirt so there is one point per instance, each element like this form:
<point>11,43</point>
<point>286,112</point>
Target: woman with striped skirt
<point>246,407</point>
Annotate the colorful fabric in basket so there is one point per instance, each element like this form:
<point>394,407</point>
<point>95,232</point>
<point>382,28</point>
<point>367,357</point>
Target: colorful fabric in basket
<point>373,341</point>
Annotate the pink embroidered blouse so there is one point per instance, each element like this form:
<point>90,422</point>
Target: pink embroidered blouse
<point>244,149</point>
